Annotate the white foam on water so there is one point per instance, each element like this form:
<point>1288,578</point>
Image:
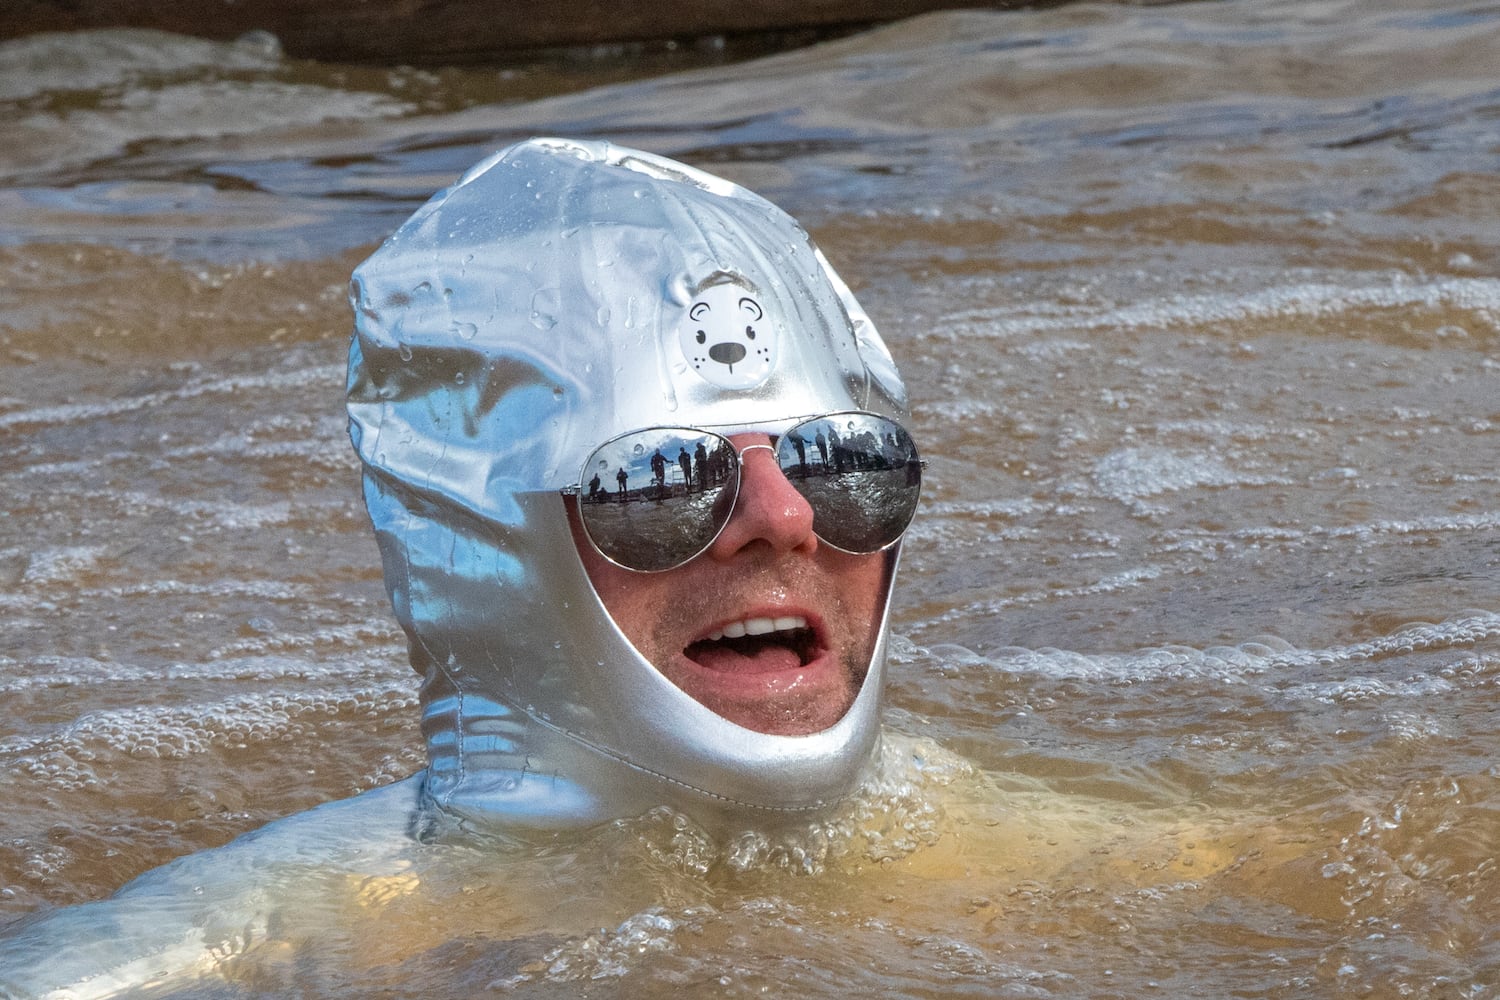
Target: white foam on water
<point>61,565</point>
<point>1123,580</point>
<point>1227,430</point>
<point>276,590</point>
<point>183,730</point>
<point>33,66</point>
<point>604,954</point>
<point>52,672</point>
<point>1359,689</point>
<point>322,451</point>
<point>960,412</point>
<point>1006,509</point>
<point>1129,474</point>
<point>1311,300</point>
<point>211,513</point>
<point>321,376</point>
<point>1435,524</point>
<point>1046,350</point>
<point>755,931</point>
<point>1238,663</point>
<point>360,635</point>
<point>896,811</point>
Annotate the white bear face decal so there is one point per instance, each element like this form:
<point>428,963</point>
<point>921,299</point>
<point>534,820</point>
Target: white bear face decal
<point>727,338</point>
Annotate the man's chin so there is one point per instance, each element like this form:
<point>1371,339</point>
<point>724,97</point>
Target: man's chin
<point>795,701</point>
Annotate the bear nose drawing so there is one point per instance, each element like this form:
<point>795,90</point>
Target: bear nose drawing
<point>727,353</point>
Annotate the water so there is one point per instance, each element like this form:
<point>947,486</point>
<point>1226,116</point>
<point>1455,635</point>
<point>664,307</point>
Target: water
<point>1195,689</point>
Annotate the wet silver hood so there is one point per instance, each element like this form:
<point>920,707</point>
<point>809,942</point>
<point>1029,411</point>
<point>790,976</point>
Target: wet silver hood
<point>519,319</point>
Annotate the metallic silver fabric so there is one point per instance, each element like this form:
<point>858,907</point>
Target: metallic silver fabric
<point>546,302</point>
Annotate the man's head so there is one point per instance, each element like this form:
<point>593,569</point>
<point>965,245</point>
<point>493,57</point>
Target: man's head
<point>769,627</point>
<point>586,385</point>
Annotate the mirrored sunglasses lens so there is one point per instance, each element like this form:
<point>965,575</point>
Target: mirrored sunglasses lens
<point>653,499</point>
<point>860,474</point>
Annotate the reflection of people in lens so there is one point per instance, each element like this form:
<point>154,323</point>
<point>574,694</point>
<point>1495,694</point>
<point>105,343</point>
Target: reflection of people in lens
<point>685,463</point>
<point>700,456</point>
<point>594,488</point>
<point>800,444</point>
<point>621,478</point>
<point>659,471</point>
<point>822,442</point>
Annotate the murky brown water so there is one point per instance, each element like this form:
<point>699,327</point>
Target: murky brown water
<point>1199,686</point>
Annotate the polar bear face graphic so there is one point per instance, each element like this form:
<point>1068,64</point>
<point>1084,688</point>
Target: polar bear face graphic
<point>727,338</point>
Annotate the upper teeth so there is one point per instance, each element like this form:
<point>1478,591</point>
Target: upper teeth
<point>758,626</point>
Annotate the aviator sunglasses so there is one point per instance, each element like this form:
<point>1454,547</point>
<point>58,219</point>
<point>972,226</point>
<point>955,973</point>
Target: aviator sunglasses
<point>652,499</point>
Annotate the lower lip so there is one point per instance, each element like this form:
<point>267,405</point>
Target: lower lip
<point>763,699</point>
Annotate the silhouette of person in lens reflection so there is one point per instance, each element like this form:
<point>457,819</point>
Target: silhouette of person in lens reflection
<point>800,444</point>
<point>700,456</point>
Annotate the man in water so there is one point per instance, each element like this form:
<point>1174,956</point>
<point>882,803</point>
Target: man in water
<point>568,309</point>
<point>720,652</point>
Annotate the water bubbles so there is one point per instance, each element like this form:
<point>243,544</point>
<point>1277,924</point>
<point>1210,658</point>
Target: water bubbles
<point>603,954</point>
<point>404,351</point>
<point>465,331</point>
<point>260,43</point>
<point>458,378</point>
<point>58,565</point>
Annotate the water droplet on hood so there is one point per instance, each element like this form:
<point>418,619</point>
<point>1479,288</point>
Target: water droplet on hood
<point>545,305</point>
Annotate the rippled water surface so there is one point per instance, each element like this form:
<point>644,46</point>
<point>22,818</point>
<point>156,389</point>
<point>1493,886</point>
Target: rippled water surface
<point>1198,670</point>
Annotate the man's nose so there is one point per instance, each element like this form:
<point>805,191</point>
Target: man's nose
<point>768,510</point>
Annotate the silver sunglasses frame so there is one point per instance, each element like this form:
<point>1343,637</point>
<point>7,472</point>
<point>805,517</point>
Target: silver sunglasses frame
<point>575,492</point>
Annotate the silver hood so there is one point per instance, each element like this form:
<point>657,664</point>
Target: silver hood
<point>519,319</point>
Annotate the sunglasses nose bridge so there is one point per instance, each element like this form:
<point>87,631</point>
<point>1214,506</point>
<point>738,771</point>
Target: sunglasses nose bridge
<point>768,508</point>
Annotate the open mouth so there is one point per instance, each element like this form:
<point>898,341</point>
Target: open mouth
<point>757,645</point>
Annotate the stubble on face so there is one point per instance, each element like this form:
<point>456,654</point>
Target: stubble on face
<point>823,610</point>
